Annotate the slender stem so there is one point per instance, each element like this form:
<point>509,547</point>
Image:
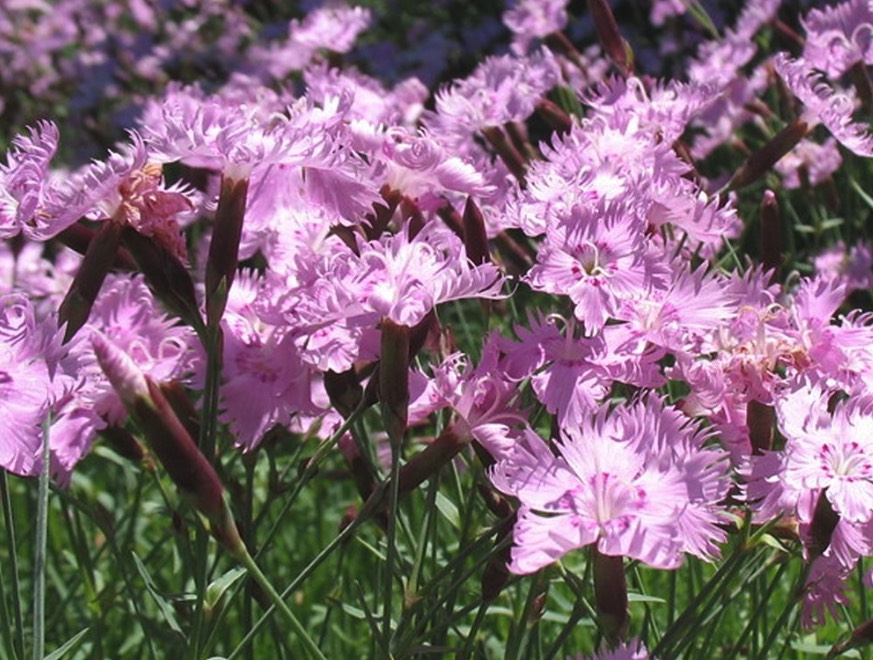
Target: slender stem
<point>39,563</point>
<point>9,520</point>
<point>246,559</point>
<point>208,423</point>
<point>391,555</point>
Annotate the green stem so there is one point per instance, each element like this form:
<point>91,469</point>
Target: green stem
<point>788,610</point>
<point>208,423</point>
<point>13,561</point>
<point>246,559</point>
<point>391,554</point>
<point>39,563</point>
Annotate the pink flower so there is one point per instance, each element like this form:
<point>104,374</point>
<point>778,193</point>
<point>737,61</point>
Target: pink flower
<point>637,482</point>
<point>839,36</point>
<point>598,258</point>
<point>265,382</point>
<point>824,105</point>
<point>853,268</point>
<point>24,179</point>
<point>664,108</point>
<point>26,387</point>
<point>685,314</point>
<point>572,375</point>
<point>828,454</point>
<point>530,20</point>
<point>226,137</point>
<point>500,90</point>
<point>347,293</point>
<point>818,161</point>
<point>484,399</point>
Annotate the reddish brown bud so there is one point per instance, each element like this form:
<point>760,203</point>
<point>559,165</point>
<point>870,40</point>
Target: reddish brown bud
<point>452,218</point>
<point>126,445</point>
<point>618,50</point>
<point>771,233</point>
<point>169,440</point>
<point>344,390</point>
<point>510,156</point>
<point>475,236</point>
<point>761,420</point>
<point>221,264</point>
<point>76,306</point>
<point>760,162</point>
<point>178,398</point>
<point>394,378</point>
<point>495,577</point>
<point>428,462</point>
<point>554,116</point>
<point>166,276</point>
<point>78,237</point>
<point>610,595</point>
<point>824,522</point>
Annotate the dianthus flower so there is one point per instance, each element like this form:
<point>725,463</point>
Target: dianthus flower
<point>838,37</point>
<point>529,20</point>
<point>394,277</point>
<point>637,482</point>
<point>816,161</point>
<point>24,179</point>
<point>500,90</point>
<point>264,381</point>
<point>597,257</point>
<point>852,267</point>
<point>26,387</point>
<point>824,105</point>
<point>572,375</point>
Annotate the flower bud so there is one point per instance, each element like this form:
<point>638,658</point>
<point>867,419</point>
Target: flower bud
<point>761,420</point>
<point>821,528</point>
<point>510,156</point>
<point>394,378</point>
<point>168,439</point>
<point>475,237</point>
<point>554,116</point>
<point>168,279</point>
<point>771,233</point>
<point>221,264</point>
<point>610,595</point>
<point>618,50</point>
<point>760,162</point>
<point>76,306</point>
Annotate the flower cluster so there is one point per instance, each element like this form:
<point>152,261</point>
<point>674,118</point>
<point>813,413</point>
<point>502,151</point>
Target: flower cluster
<point>364,222</point>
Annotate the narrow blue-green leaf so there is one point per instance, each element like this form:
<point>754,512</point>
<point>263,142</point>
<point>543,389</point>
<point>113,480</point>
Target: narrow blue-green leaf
<point>163,604</point>
<point>69,646</point>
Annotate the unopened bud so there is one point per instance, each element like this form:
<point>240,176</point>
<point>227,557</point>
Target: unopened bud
<point>475,236</point>
<point>618,50</point>
<point>166,276</point>
<point>554,116</point>
<point>821,528</point>
<point>428,462</point>
<point>771,234</point>
<point>169,440</point>
<point>221,264</point>
<point>394,378</point>
<point>760,162</point>
<point>610,595</point>
<point>761,420</point>
<point>510,156</point>
<point>76,306</point>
